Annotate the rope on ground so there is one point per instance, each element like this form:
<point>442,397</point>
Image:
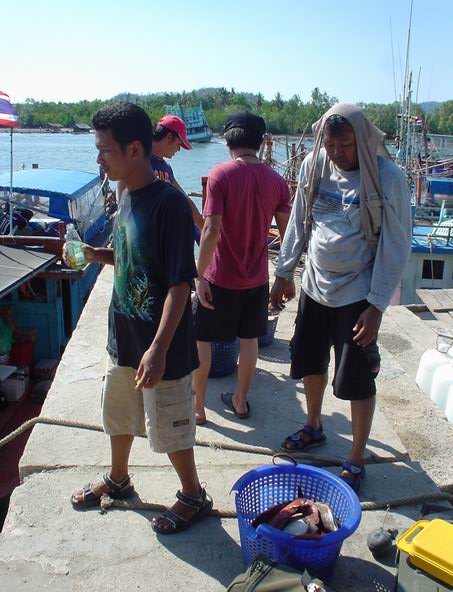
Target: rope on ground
<point>326,461</point>
<point>108,503</point>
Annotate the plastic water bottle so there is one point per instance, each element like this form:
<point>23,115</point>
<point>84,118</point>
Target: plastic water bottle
<point>75,254</point>
<point>433,359</point>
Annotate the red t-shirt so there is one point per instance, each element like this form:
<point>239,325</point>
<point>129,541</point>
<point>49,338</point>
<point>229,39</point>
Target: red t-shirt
<point>247,196</point>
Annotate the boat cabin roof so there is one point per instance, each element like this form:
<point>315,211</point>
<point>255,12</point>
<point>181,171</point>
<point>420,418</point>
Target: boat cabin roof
<point>50,182</point>
<point>18,264</point>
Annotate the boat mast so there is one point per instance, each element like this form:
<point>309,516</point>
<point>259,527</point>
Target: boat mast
<point>10,199</point>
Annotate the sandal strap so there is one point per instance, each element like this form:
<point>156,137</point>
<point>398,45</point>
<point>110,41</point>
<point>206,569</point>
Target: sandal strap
<point>194,502</point>
<point>88,495</point>
<point>114,485</point>
<point>354,469</point>
<point>314,434</point>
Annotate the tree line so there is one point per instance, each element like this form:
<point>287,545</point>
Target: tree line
<point>291,116</point>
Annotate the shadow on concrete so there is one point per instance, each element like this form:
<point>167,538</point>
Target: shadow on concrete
<point>277,412</point>
<point>361,575</point>
<point>277,351</point>
<point>207,547</point>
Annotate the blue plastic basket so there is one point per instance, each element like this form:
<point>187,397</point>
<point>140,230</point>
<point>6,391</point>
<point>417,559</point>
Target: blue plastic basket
<point>267,339</point>
<point>262,488</point>
<point>224,358</point>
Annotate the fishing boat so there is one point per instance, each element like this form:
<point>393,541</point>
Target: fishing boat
<point>195,120</point>
<point>41,299</point>
<point>39,290</point>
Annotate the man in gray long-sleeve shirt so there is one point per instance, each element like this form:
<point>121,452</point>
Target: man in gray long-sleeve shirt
<point>352,208</point>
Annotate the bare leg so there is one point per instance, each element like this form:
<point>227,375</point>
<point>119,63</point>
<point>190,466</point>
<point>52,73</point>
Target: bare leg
<point>184,464</point>
<point>314,387</point>
<point>120,451</point>
<point>248,355</point>
<point>362,417</point>
<point>200,378</point>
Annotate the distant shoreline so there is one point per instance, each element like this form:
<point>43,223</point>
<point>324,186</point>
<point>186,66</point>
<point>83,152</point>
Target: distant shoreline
<point>30,130</point>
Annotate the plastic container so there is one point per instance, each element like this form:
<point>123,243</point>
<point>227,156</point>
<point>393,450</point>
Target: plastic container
<point>75,254</point>
<point>431,360</point>
<point>442,381</point>
<point>267,339</point>
<point>224,358</point>
<point>449,405</point>
<point>262,488</point>
<point>429,544</point>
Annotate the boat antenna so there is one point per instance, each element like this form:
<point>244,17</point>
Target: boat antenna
<point>418,85</point>
<point>408,41</point>
<point>393,59</point>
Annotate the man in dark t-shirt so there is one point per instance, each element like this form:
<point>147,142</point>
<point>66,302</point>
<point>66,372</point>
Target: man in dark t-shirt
<point>151,343</point>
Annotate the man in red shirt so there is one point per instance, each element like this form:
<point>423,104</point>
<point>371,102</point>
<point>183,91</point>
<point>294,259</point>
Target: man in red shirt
<point>243,196</point>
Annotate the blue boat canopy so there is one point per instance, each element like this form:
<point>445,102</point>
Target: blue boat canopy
<point>50,182</point>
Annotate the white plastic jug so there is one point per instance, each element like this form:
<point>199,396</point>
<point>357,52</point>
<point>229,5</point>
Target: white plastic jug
<point>442,381</point>
<point>449,405</point>
<point>433,359</point>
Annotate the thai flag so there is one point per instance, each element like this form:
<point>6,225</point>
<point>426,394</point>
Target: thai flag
<point>8,113</point>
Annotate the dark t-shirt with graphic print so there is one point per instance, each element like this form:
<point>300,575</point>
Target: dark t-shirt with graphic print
<point>162,169</point>
<point>153,250</point>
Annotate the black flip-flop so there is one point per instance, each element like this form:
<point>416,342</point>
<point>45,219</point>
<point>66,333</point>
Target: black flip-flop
<point>227,399</point>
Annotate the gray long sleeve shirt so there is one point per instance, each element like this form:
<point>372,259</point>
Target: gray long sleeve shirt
<point>341,268</point>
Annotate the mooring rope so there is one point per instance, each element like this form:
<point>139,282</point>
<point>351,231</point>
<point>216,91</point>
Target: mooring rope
<point>329,461</point>
<point>107,502</point>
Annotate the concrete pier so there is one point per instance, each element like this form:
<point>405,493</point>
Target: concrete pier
<point>47,545</point>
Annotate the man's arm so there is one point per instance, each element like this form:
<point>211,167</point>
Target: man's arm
<point>281,219</point>
<point>152,365</point>
<point>395,240</point>
<point>93,255</point>
<point>291,248</point>
<point>209,238</point>
<point>283,289</point>
<point>198,219</point>
<point>393,252</point>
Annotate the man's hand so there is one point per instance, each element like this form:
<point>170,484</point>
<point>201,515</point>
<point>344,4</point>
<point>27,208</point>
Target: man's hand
<point>204,292</point>
<point>367,326</point>
<point>90,253</point>
<point>282,292</point>
<point>151,368</point>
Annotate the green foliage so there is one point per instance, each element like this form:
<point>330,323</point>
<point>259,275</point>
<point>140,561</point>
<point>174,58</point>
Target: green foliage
<point>282,116</point>
<point>441,120</point>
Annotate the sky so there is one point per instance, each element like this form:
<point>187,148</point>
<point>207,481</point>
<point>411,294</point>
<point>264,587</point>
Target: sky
<point>70,50</point>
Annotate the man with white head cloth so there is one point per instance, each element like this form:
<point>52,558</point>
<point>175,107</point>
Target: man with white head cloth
<point>352,216</point>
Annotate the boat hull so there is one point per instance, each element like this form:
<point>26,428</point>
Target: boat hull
<point>201,138</point>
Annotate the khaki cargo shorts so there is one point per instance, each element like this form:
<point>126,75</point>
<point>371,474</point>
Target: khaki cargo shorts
<point>166,412</point>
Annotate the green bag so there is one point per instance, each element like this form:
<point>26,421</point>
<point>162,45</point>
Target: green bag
<point>265,575</point>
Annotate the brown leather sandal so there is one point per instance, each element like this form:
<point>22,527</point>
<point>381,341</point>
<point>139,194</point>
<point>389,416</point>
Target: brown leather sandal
<point>203,505</point>
<point>116,490</point>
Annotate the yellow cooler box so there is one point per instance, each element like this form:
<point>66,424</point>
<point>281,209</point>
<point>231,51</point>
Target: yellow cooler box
<point>429,546</point>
